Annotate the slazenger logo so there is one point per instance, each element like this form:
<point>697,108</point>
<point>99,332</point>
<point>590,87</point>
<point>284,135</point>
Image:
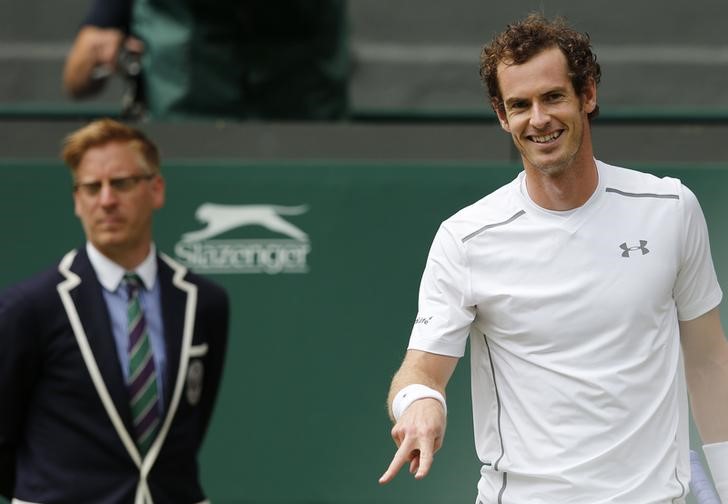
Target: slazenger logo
<point>200,253</point>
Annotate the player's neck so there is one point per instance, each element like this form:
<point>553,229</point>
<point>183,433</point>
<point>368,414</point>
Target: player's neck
<point>566,189</point>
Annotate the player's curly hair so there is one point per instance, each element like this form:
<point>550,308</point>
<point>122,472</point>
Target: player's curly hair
<point>521,41</point>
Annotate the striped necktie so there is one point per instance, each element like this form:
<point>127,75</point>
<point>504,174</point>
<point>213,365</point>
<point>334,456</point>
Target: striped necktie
<point>142,382</point>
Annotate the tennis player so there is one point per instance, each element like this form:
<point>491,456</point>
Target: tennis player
<point>590,299</point>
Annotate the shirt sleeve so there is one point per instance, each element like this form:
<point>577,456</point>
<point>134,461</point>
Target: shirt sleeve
<point>109,14</point>
<point>696,290</point>
<point>444,314</point>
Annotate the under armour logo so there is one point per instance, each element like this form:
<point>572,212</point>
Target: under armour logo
<point>641,247</point>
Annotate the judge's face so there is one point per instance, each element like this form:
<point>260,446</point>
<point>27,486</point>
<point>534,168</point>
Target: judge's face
<point>115,195</point>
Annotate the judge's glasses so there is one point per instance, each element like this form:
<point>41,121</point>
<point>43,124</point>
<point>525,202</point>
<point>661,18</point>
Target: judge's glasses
<point>119,184</point>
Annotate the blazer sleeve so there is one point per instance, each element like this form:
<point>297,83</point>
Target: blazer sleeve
<point>18,363</point>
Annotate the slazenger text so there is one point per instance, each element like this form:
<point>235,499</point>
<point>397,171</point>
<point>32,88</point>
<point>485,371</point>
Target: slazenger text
<point>245,256</point>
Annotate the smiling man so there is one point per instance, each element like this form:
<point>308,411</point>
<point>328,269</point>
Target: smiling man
<point>590,300</point>
<point>111,360</point>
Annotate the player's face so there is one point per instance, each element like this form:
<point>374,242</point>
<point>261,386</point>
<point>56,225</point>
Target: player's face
<point>544,115</point>
<point>115,198</point>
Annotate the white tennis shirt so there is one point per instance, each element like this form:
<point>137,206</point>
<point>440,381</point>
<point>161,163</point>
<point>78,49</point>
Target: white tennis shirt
<point>577,378</point>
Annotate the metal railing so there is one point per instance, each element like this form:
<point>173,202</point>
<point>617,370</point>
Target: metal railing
<point>42,111</point>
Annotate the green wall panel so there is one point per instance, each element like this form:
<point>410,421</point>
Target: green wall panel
<point>301,416</point>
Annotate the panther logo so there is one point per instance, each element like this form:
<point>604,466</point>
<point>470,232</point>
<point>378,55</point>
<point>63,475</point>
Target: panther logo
<point>221,218</point>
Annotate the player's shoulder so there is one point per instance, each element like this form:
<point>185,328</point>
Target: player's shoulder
<point>631,182</point>
<point>498,207</point>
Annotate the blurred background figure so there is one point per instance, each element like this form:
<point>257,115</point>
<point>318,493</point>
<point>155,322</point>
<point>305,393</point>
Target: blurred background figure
<point>103,47</point>
<point>250,59</point>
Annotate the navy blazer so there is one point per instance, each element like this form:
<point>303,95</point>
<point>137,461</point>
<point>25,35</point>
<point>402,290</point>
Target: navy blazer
<point>66,430</point>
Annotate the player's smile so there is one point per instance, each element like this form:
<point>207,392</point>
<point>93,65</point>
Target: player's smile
<point>546,139</point>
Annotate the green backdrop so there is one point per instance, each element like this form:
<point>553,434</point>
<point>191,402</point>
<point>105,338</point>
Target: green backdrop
<point>301,416</point>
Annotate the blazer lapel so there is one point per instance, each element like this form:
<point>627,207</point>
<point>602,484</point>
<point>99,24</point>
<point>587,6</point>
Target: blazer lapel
<point>93,312</point>
<point>173,308</point>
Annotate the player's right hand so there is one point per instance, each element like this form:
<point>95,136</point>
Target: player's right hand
<point>418,435</point>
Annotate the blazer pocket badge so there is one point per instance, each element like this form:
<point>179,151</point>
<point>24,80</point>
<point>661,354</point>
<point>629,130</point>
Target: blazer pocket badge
<point>195,373</point>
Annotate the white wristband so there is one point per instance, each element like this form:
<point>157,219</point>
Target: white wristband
<point>717,456</point>
<point>412,393</point>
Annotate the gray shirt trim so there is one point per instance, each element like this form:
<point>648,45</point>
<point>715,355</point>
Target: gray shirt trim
<point>642,195</point>
<point>488,226</point>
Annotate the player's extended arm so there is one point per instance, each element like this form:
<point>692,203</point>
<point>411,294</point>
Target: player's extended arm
<point>420,430</point>
<point>705,350</point>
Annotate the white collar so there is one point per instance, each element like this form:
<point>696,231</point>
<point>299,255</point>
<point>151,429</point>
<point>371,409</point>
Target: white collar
<point>110,274</point>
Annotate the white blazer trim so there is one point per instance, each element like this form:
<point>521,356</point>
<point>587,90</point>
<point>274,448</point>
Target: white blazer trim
<point>198,350</point>
<point>143,494</point>
<point>189,325</point>
<point>73,280</point>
